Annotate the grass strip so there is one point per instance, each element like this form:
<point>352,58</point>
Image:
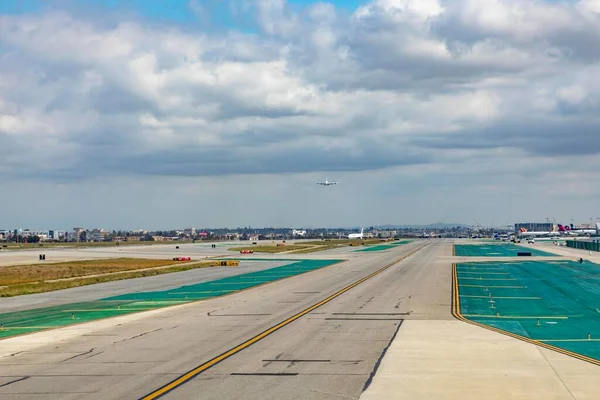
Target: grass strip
<point>31,273</point>
<point>41,287</point>
<point>271,248</point>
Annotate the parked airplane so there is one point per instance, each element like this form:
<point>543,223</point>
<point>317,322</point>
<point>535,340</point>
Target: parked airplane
<point>562,231</point>
<point>571,230</point>
<point>327,183</point>
<point>357,235</point>
<point>525,232</point>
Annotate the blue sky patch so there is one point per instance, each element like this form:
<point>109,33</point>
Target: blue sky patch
<point>174,10</point>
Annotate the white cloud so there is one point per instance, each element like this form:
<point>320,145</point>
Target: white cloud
<point>522,20</point>
<point>419,88</point>
<point>589,8</point>
<point>403,11</point>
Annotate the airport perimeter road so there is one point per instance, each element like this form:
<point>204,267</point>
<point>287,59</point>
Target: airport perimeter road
<point>329,352</point>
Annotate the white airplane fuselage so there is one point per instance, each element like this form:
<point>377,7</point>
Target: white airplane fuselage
<point>327,183</point>
<point>356,235</point>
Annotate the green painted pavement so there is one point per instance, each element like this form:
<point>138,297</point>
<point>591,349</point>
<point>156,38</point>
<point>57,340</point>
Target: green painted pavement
<point>495,250</point>
<point>16,323</point>
<point>563,295</point>
<point>381,247</point>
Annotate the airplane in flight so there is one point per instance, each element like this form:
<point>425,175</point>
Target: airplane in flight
<point>357,235</point>
<point>327,183</point>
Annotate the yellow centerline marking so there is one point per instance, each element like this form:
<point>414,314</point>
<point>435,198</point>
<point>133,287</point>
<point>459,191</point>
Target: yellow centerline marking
<point>203,367</point>
<point>458,315</point>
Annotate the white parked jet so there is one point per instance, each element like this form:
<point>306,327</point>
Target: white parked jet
<point>327,183</point>
<point>356,235</point>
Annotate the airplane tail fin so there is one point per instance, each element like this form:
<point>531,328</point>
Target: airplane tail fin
<point>361,230</point>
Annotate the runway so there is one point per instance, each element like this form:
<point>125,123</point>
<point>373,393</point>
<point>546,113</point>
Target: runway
<point>332,351</point>
<point>378,325</point>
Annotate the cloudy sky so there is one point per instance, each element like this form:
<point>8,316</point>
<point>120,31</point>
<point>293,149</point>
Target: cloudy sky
<point>172,113</point>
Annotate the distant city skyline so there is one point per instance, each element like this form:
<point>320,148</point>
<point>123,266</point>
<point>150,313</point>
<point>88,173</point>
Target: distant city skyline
<point>199,229</point>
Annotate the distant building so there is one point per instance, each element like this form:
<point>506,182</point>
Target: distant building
<point>76,236</point>
<point>298,232</point>
<point>161,238</point>
<point>56,235</point>
<point>29,233</point>
<point>97,235</point>
<point>387,234</point>
<point>535,226</point>
<point>189,232</point>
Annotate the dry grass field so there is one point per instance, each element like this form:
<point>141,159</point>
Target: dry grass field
<point>26,279</point>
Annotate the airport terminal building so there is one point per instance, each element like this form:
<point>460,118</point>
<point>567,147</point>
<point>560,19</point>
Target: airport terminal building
<point>535,226</point>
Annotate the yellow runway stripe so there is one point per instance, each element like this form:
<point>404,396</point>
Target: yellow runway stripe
<point>203,367</point>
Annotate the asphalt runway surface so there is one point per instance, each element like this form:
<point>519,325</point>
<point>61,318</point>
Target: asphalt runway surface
<point>330,352</point>
<point>197,251</point>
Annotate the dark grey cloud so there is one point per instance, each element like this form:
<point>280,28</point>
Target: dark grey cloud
<point>235,160</point>
<point>111,98</point>
<point>536,137</point>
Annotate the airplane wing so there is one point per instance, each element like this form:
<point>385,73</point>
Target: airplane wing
<point>327,183</point>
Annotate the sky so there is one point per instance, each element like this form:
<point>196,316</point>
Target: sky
<point>151,114</point>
